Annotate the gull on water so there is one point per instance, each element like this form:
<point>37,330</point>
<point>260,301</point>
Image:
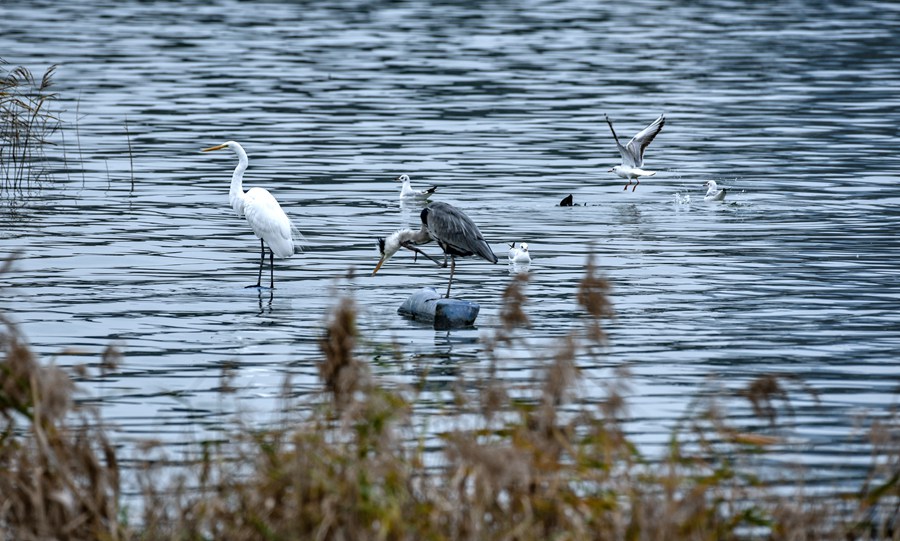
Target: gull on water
<point>520,254</point>
<point>407,192</point>
<point>713,193</point>
<point>633,152</point>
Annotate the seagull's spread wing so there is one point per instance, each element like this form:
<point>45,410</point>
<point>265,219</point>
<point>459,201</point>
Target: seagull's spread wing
<point>635,147</point>
<point>626,156</point>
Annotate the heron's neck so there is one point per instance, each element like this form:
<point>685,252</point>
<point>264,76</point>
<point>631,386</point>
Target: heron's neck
<point>408,235</point>
<point>236,193</point>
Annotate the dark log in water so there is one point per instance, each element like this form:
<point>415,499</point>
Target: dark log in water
<point>428,306</point>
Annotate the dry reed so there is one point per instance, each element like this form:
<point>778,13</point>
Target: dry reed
<point>27,122</point>
<point>528,463</point>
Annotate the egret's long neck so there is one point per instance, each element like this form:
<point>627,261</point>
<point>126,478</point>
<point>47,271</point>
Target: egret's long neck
<point>236,194</point>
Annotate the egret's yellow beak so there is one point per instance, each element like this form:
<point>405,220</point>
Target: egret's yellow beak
<point>217,147</point>
<point>378,266</point>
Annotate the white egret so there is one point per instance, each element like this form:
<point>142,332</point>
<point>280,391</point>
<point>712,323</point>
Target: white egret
<point>713,193</point>
<point>633,152</point>
<point>520,254</point>
<point>408,193</point>
<point>455,233</point>
<point>262,211</point>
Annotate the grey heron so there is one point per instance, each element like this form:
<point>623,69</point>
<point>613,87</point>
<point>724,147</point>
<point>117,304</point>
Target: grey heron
<point>633,152</point>
<point>262,211</point>
<point>408,193</point>
<point>454,232</point>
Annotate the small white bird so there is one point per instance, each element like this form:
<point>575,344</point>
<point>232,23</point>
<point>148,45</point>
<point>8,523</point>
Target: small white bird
<point>262,211</point>
<point>633,152</point>
<point>407,192</point>
<point>713,193</point>
<point>520,254</point>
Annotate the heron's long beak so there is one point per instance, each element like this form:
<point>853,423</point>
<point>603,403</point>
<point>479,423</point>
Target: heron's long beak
<point>611,169</point>
<point>217,147</point>
<point>378,266</point>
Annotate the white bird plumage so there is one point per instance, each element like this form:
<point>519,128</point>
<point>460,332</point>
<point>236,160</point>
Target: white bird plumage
<point>520,254</point>
<point>633,152</point>
<point>260,208</point>
<point>713,193</point>
<point>408,193</point>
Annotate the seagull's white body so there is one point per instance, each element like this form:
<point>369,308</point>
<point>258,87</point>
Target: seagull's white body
<point>633,152</point>
<point>713,193</point>
<point>520,254</point>
<point>631,173</point>
<point>407,192</point>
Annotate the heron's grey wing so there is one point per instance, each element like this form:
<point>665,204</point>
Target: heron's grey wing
<point>639,142</point>
<point>452,228</point>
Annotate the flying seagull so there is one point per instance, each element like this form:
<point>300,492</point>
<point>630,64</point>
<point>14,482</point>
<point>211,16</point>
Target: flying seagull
<point>633,152</point>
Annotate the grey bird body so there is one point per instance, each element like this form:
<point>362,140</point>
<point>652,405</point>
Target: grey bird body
<point>450,228</point>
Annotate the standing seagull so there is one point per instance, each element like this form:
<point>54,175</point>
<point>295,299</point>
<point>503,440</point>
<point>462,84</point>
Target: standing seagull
<point>270,224</point>
<point>713,193</point>
<point>455,233</point>
<point>633,152</point>
<point>407,192</point>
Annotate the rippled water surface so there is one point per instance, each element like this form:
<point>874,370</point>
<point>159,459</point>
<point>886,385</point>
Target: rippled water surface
<point>793,107</point>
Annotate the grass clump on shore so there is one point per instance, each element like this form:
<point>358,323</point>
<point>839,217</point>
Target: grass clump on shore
<point>517,462</point>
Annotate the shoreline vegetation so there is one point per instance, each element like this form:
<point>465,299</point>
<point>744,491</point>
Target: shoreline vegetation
<point>530,463</point>
<point>28,123</point>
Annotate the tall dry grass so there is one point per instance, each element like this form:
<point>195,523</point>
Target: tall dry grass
<point>518,462</point>
<point>27,124</point>
<point>59,474</point>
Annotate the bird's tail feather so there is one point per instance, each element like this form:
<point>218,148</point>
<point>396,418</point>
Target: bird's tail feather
<point>299,239</point>
<point>484,251</point>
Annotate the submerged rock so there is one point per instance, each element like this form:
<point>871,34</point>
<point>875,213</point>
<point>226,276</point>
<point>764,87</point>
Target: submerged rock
<point>428,306</point>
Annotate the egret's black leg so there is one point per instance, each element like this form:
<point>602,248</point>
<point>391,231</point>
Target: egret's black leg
<point>452,268</point>
<point>271,269</point>
<point>262,259</point>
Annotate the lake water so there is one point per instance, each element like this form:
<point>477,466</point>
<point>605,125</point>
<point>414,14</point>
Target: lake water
<point>793,106</point>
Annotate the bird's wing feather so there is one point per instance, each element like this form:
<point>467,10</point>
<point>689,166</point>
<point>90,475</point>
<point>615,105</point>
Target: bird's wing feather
<point>639,142</point>
<point>269,222</point>
<point>452,228</point>
<point>626,156</point>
